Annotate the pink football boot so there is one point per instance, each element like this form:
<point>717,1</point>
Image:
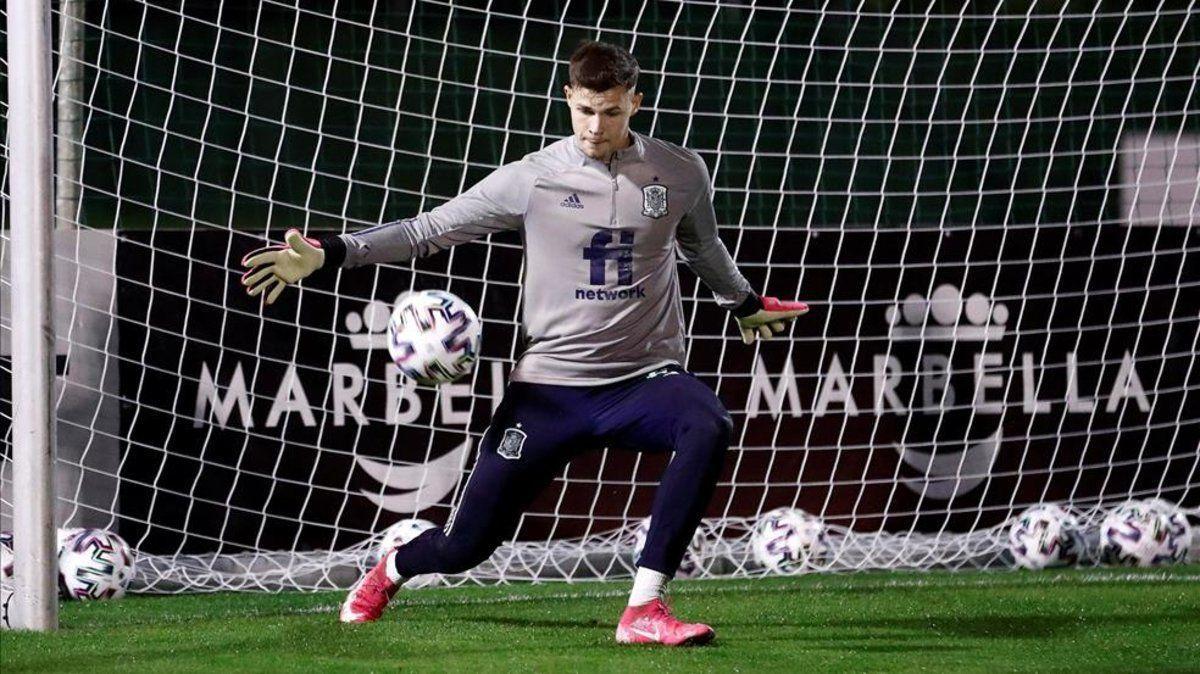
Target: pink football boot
<point>653,624</point>
<point>369,596</point>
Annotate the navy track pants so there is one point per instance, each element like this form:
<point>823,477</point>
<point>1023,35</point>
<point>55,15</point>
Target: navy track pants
<point>539,428</point>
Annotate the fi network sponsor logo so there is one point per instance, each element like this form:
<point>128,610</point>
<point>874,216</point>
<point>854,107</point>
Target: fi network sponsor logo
<point>615,246</point>
<point>603,295</point>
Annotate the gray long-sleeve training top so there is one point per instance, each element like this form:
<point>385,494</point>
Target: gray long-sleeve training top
<point>601,288</point>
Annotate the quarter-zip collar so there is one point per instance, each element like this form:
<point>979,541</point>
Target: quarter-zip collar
<point>635,151</point>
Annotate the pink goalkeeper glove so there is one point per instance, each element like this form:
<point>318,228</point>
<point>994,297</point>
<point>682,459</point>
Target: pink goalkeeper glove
<point>766,316</point>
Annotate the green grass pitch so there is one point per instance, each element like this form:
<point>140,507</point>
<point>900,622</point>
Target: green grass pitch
<point>1096,620</point>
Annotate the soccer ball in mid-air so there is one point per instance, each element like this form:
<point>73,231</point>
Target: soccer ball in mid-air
<point>788,540</point>
<point>1144,533</point>
<point>433,336</point>
<point>690,566</point>
<point>401,533</point>
<point>1045,536</point>
<point>94,564</point>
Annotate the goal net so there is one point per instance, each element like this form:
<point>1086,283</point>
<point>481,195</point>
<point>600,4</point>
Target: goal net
<point>992,209</point>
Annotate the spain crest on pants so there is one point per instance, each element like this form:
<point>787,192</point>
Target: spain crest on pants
<point>654,201</point>
<point>511,444</point>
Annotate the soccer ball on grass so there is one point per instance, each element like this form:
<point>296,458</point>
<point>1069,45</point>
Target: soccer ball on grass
<point>6,558</point>
<point>788,540</point>
<point>94,564</point>
<point>1045,536</point>
<point>6,573</point>
<point>433,336</point>
<point>401,533</point>
<point>1145,533</point>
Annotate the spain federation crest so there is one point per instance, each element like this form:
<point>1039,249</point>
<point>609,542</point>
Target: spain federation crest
<point>654,201</point>
<point>511,444</point>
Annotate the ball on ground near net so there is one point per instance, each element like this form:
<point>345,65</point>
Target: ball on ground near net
<point>788,539</point>
<point>1140,533</point>
<point>6,551</point>
<point>433,336</point>
<point>6,574</point>
<point>401,533</point>
<point>1179,530</point>
<point>6,595</point>
<point>690,566</point>
<point>1163,505</point>
<point>65,534</point>
<point>1045,536</point>
<point>95,564</point>
<point>6,556</point>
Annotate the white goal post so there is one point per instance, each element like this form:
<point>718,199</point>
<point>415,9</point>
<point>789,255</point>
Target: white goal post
<point>33,604</point>
<point>992,209</point>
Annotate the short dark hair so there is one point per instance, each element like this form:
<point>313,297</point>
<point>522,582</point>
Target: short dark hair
<point>600,66</point>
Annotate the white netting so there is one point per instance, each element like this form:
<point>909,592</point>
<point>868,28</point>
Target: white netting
<point>991,209</point>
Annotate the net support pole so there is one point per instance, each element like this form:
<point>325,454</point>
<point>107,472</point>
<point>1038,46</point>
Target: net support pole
<point>70,113</point>
<point>35,605</point>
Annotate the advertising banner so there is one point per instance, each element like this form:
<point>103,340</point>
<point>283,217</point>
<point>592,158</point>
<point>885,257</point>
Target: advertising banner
<point>941,377</point>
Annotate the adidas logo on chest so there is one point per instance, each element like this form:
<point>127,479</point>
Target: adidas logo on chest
<point>572,202</point>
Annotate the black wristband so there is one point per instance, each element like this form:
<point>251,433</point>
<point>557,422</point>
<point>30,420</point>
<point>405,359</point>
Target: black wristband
<point>749,306</point>
<point>335,252</point>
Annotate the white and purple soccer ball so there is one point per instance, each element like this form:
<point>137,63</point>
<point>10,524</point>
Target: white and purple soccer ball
<point>94,564</point>
<point>1180,535</point>
<point>6,595</point>
<point>1145,533</point>
<point>401,533</point>
<point>6,557</point>
<point>690,566</point>
<point>788,540</point>
<point>1045,536</point>
<point>65,534</point>
<point>433,336</point>
<point>6,574</point>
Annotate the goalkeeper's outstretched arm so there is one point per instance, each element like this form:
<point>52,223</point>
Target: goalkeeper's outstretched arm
<point>707,256</point>
<point>496,203</point>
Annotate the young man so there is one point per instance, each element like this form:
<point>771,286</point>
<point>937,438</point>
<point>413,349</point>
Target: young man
<point>602,213</point>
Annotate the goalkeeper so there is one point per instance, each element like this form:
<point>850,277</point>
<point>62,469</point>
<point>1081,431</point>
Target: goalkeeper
<point>602,213</point>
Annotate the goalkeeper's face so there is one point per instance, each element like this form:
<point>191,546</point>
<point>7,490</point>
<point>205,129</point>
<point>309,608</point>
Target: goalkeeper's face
<point>601,118</point>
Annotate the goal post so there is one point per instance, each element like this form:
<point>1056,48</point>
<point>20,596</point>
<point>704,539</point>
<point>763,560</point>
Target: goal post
<point>30,169</point>
<point>991,208</point>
